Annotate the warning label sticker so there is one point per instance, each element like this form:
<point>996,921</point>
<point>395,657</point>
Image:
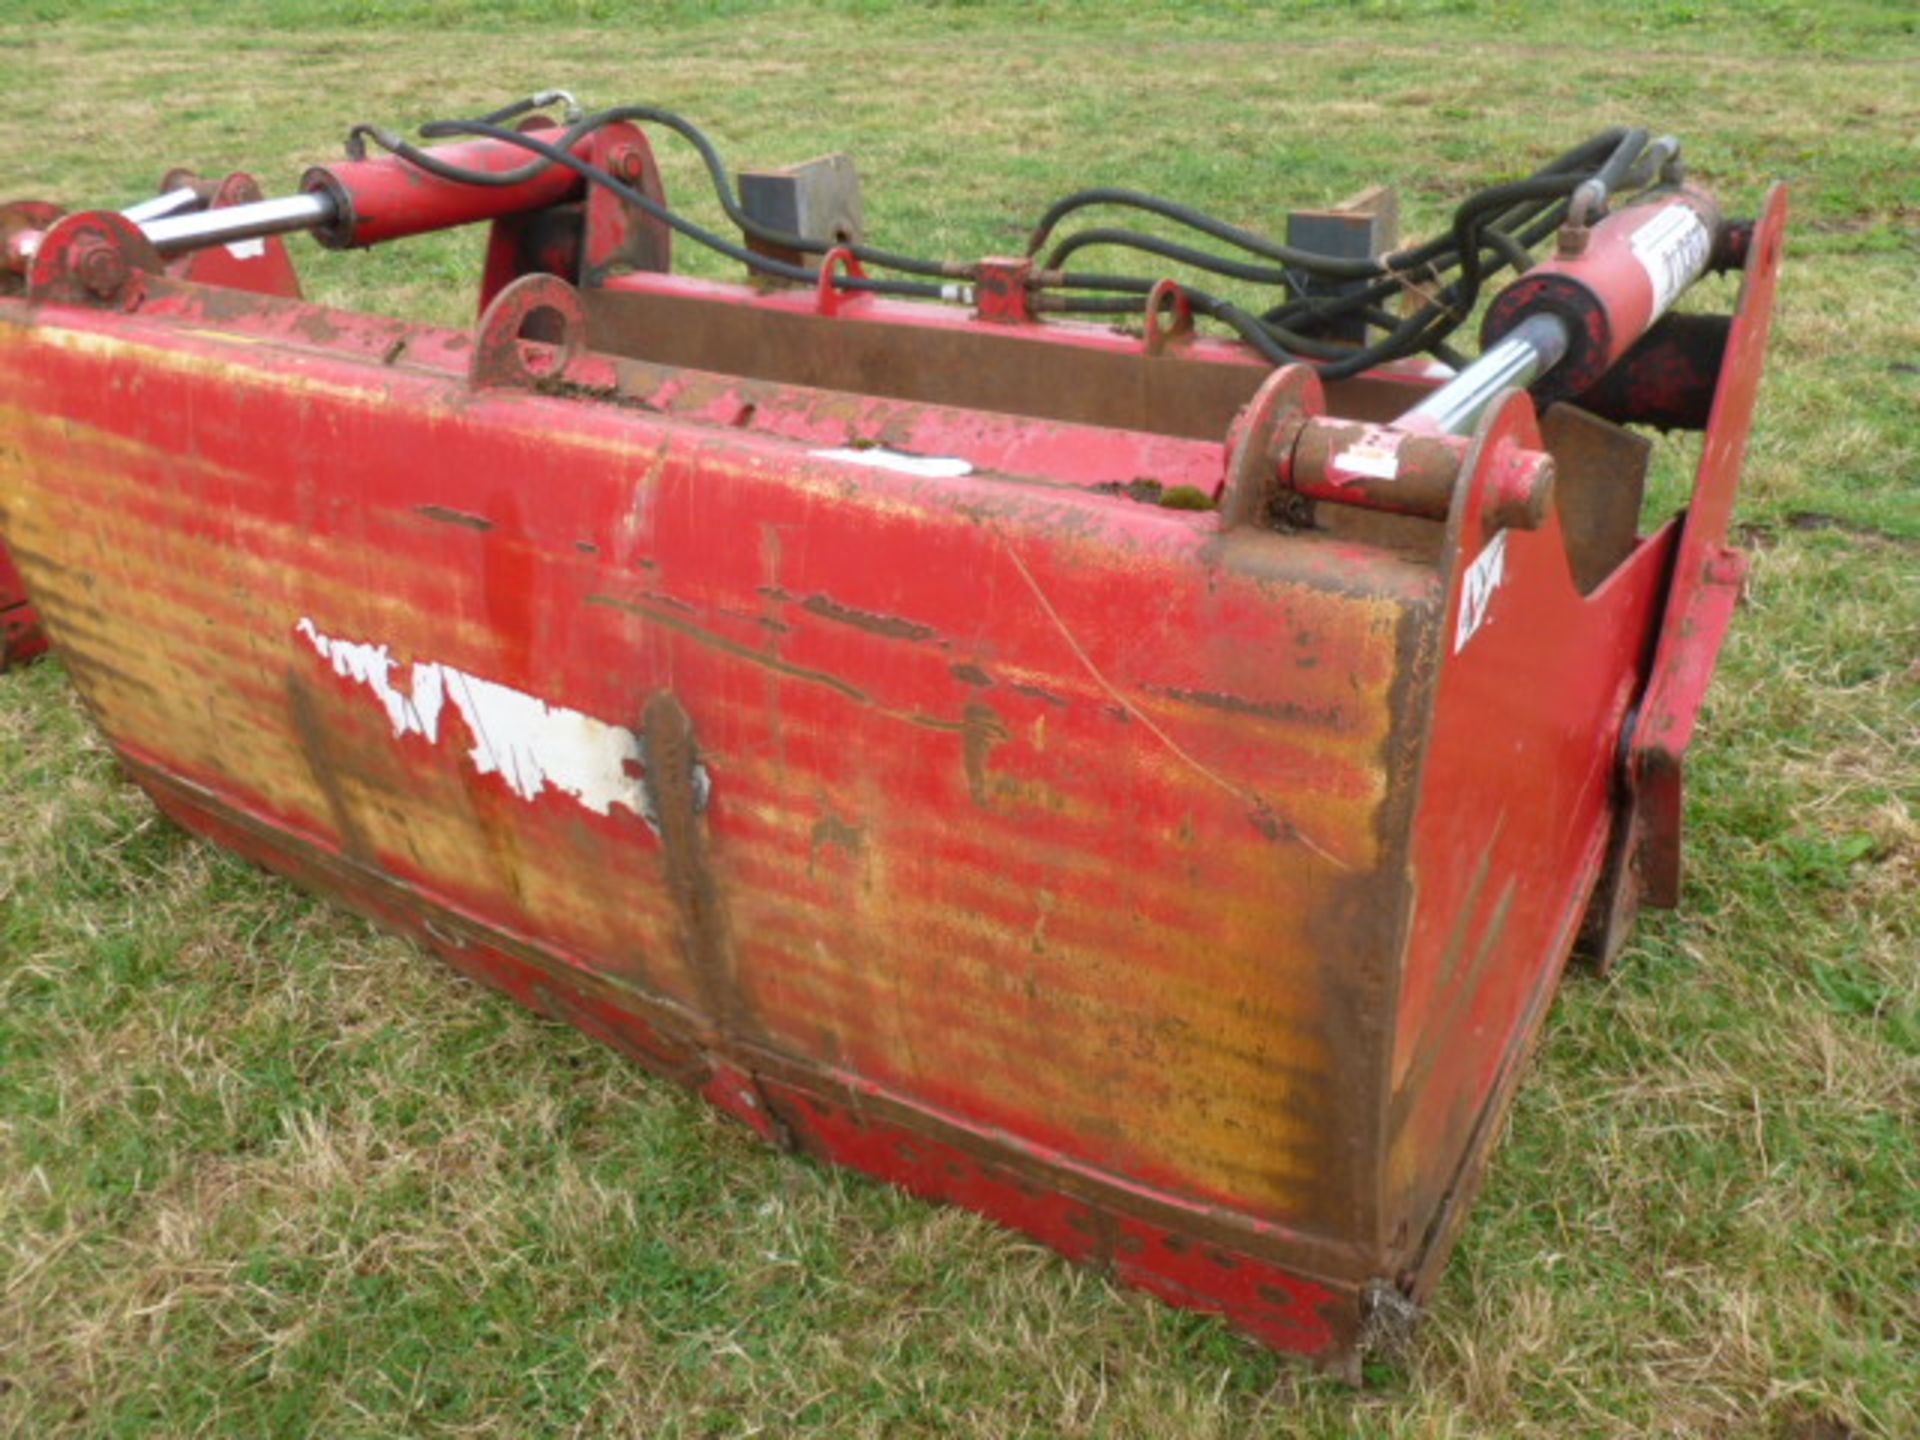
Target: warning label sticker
<point>1672,248</point>
<point>1477,587</point>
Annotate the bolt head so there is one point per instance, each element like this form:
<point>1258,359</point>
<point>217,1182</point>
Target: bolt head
<point>99,266</point>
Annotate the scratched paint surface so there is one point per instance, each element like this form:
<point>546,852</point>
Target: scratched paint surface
<point>877,768</point>
<point>1021,807</point>
<point>1036,806</point>
<point>1514,819</point>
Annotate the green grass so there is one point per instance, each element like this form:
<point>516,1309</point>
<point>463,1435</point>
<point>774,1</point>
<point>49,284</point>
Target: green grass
<point>263,1170</point>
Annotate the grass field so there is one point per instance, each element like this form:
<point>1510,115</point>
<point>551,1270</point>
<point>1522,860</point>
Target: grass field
<point>264,1171</point>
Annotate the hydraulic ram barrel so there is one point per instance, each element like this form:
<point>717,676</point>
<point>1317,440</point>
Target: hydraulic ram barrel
<point>354,203</point>
<point>1564,324</point>
<point>388,198</point>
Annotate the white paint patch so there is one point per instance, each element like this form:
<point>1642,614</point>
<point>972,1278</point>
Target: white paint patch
<point>247,249</point>
<point>878,457</point>
<point>533,746</point>
<point>1672,248</point>
<point>1483,578</point>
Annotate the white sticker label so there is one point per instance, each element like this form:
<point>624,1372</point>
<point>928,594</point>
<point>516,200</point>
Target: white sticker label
<point>1483,578</point>
<point>532,746</point>
<point>1672,248</point>
<point>878,457</point>
<point>1375,455</point>
<point>247,249</point>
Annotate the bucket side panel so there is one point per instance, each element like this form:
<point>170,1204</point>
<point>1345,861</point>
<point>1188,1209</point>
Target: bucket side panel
<point>1515,807</point>
<point>1050,813</point>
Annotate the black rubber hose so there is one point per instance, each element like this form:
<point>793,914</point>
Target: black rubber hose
<point>1572,160</point>
<point>716,173</point>
<point>1333,307</point>
<point>1334,362</point>
<point>1168,249</point>
<point>1277,344</point>
<point>1483,228</point>
<point>1510,251</point>
<point>1328,266</point>
<point>1293,344</point>
<point>1423,330</point>
<point>1621,162</point>
<point>692,230</point>
<point>1432,323</point>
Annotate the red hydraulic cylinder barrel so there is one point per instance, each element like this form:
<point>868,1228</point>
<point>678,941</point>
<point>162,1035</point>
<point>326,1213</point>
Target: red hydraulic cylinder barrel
<point>388,198</point>
<point>1631,269</point>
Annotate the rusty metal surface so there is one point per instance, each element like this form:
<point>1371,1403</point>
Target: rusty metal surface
<point>22,222</point>
<point>1600,482</point>
<point>21,636</point>
<point>619,237</point>
<point>883,806</point>
<point>1001,289</point>
<point>1668,379</point>
<point>803,693</point>
<point>1087,374</point>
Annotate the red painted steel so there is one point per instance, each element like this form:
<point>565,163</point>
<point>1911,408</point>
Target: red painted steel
<point>1001,290</point>
<point>261,266</point>
<point>1629,271</point>
<point>22,637</point>
<point>592,240</point>
<point>385,198</point>
<point>1707,574</point>
<point>1184,888</point>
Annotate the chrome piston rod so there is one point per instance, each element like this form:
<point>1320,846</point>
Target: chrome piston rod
<point>175,233</point>
<point>1522,356</point>
<point>161,206</point>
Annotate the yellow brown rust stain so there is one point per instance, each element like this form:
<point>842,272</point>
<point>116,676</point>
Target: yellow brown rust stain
<point>980,731</point>
<point>720,642</point>
<point>318,746</point>
<point>181,643</point>
<point>831,832</point>
<point>677,783</point>
<point>1196,1041</point>
<point>1176,1008</point>
<point>891,627</point>
<point>1179,1010</point>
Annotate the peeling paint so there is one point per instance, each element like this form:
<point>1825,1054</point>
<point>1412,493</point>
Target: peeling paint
<point>531,745</point>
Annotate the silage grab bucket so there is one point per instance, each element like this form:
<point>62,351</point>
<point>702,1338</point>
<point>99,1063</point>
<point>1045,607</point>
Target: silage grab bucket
<point>810,691</point>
